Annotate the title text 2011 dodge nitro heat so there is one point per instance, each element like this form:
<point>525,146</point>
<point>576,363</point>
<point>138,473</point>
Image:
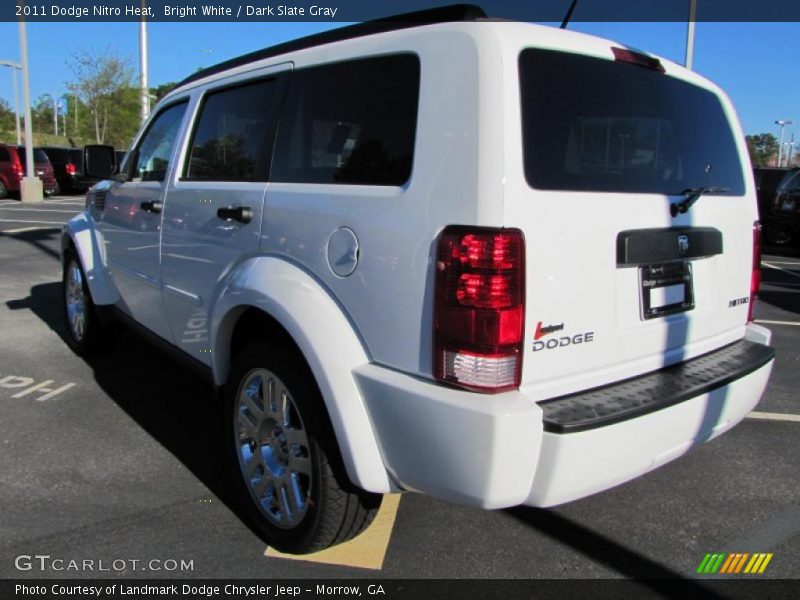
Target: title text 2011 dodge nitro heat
<point>493,262</point>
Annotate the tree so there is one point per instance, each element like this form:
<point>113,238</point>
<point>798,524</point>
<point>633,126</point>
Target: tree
<point>7,122</point>
<point>763,148</point>
<point>102,81</point>
<point>42,114</point>
<point>162,90</point>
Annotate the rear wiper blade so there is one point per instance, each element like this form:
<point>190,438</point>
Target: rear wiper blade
<point>692,195</point>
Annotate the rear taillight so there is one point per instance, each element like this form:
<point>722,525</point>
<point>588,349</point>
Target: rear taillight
<point>70,168</point>
<point>755,275</point>
<point>480,308</point>
<point>18,170</point>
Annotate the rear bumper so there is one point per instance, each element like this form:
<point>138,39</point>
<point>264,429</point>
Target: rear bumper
<point>495,451</point>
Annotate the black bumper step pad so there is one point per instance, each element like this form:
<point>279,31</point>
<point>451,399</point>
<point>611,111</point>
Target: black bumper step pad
<point>653,391</point>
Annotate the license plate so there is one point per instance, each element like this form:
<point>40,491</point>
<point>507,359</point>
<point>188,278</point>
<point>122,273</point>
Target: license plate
<point>666,289</point>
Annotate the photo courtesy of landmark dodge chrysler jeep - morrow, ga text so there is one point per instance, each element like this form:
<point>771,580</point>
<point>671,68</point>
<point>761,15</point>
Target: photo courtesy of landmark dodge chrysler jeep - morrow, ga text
<point>494,262</point>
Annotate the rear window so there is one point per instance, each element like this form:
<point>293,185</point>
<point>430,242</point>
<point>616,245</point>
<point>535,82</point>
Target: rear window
<point>39,156</point>
<point>351,122</point>
<point>56,155</point>
<point>590,124</point>
<point>76,158</point>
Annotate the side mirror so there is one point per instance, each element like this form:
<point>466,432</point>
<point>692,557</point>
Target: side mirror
<point>99,162</point>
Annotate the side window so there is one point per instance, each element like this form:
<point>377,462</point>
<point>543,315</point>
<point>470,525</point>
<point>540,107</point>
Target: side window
<point>230,133</point>
<point>155,148</point>
<point>351,122</point>
<point>4,157</point>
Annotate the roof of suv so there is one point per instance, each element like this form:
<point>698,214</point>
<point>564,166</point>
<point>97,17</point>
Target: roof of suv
<point>444,14</point>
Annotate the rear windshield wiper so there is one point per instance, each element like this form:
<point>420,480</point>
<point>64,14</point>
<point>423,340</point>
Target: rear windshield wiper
<point>692,195</point>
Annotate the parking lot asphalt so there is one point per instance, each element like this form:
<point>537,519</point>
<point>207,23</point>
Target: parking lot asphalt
<point>112,458</point>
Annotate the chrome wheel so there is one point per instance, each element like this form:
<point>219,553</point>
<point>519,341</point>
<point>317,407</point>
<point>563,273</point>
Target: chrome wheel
<point>273,448</point>
<point>76,301</point>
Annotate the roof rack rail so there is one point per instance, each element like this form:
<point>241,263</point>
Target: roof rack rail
<point>442,14</point>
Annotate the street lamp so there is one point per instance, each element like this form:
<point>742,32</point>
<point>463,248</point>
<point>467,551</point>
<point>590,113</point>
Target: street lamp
<point>14,68</point>
<point>783,123</point>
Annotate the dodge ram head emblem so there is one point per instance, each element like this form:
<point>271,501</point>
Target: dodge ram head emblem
<point>683,244</point>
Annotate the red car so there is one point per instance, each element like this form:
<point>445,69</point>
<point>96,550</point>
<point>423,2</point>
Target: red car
<point>12,169</point>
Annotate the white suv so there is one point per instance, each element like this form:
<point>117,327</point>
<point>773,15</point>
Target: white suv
<point>493,262</point>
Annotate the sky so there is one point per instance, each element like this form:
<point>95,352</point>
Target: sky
<point>755,63</point>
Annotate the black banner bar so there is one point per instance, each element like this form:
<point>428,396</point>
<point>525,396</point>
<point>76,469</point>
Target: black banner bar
<point>364,10</point>
<point>737,588</point>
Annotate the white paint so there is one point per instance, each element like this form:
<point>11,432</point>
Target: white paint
<point>38,210</point>
<point>16,382</point>
<point>770,416</point>
<point>26,221</point>
<point>24,229</point>
<point>787,271</point>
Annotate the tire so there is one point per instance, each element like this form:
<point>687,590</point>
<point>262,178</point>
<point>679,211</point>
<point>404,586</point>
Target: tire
<point>288,476</point>
<point>85,333</point>
<point>779,235</point>
<point>3,190</point>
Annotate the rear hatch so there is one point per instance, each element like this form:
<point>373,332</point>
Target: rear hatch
<point>41,166</point>
<point>617,286</point>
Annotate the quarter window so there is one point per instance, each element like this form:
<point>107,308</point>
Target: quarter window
<point>155,149</point>
<point>230,134</point>
<point>351,122</point>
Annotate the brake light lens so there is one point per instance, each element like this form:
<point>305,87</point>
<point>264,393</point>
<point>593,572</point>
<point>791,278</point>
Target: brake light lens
<point>18,170</point>
<point>755,275</point>
<point>70,168</point>
<point>480,308</point>
<point>638,59</point>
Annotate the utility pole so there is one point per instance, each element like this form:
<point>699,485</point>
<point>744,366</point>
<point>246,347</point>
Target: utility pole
<point>144,88</point>
<point>690,34</point>
<point>30,186</point>
<point>783,123</point>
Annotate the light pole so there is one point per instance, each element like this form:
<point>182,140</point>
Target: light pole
<point>690,34</point>
<point>144,90</point>
<point>14,68</point>
<point>55,112</point>
<point>30,186</point>
<point>783,123</point>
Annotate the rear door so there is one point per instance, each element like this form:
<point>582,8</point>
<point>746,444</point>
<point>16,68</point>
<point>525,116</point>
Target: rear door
<point>212,218</point>
<point>616,285</point>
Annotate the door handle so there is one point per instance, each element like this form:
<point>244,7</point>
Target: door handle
<point>243,214</point>
<point>153,206</point>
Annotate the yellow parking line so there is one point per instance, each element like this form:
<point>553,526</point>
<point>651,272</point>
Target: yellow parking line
<point>367,551</point>
<point>770,416</point>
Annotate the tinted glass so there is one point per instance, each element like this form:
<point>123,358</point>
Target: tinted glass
<point>230,134</point>
<point>350,122</point>
<point>39,156</point>
<point>4,157</point>
<point>599,125</point>
<point>791,182</point>
<point>155,149</point>
<point>76,158</point>
<point>56,155</point>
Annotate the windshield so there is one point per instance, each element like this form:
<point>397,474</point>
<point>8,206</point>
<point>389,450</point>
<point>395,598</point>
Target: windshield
<point>599,125</point>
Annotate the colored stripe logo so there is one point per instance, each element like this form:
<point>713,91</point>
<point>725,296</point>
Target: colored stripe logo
<point>735,562</point>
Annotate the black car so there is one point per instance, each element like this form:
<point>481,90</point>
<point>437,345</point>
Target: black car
<point>68,167</point>
<point>778,192</point>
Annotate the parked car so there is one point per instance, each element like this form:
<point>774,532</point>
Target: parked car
<point>418,256</point>
<point>68,168</point>
<point>779,203</point>
<point>12,169</point>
